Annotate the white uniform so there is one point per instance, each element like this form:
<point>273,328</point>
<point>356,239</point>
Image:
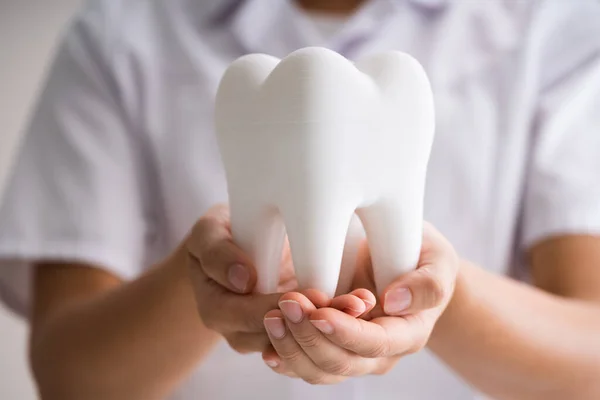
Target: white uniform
<point>120,157</point>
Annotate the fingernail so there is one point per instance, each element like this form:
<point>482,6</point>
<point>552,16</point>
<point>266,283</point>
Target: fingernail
<point>238,277</point>
<point>368,304</point>
<point>292,310</point>
<point>275,326</point>
<point>323,326</point>
<point>272,363</point>
<point>397,300</point>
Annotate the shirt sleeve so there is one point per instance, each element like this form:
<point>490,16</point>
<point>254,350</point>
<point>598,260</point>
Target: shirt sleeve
<point>562,194</point>
<point>76,191</point>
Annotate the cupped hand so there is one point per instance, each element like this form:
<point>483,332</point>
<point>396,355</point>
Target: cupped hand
<point>325,345</point>
<point>223,278</point>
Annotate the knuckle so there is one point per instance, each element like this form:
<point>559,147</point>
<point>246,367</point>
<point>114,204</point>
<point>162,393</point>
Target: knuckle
<point>434,287</point>
<point>379,349</point>
<point>308,341</point>
<point>241,344</point>
<point>333,367</point>
<point>290,355</point>
<point>349,342</point>
<point>438,292</point>
<point>203,225</point>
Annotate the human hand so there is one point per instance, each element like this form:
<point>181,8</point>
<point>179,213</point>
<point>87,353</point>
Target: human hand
<point>327,345</point>
<point>223,278</point>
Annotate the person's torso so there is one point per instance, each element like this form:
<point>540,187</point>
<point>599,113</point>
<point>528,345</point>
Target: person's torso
<point>483,98</point>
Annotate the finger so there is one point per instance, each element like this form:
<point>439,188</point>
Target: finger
<point>316,297</point>
<point>370,301</point>
<point>228,312</point>
<point>273,361</point>
<point>380,337</point>
<point>246,343</point>
<point>355,303</point>
<point>280,368</point>
<point>327,356</point>
<point>210,242</point>
<point>430,285</point>
<point>350,304</point>
<point>291,354</point>
<point>419,290</point>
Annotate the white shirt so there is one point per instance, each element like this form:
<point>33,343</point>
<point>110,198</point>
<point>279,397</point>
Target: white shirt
<point>120,157</point>
<point>325,25</point>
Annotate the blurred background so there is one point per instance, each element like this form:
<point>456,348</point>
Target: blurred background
<point>28,33</point>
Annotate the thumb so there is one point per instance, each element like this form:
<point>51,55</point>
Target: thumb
<point>431,284</point>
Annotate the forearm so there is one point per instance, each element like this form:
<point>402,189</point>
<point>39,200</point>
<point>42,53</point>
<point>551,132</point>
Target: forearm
<point>137,341</point>
<point>513,341</point>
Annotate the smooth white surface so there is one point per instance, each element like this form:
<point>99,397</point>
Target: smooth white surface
<point>515,156</point>
<point>28,29</point>
<point>308,141</point>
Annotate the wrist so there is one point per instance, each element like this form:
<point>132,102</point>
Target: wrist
<point>175,273</point>
<point>458,307</point>
<point>174,268</point>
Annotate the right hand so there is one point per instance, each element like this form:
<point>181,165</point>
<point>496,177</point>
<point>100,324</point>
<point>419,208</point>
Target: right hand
<point>223,279</point>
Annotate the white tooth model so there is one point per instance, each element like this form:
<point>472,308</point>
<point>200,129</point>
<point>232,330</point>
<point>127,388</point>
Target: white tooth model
<point>309,140</point>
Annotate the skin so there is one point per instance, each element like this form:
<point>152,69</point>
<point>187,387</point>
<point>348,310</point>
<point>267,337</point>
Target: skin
<point>84,316</point>
<point>331,6</point>
<point>509,340</point>
<point>96,337</point>
<point>518,342</point>
<point>320,345</point>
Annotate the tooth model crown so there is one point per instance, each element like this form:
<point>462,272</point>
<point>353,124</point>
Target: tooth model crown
<point>310,140</point>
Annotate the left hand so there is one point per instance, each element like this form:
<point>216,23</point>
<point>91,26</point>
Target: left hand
<point>354,336</point>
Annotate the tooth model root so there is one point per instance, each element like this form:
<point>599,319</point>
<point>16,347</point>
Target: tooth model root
<point>259,231</point>
<point>317,239</point>
<point>317,236</point>
<point>355,236</point>
<point>393,244</point>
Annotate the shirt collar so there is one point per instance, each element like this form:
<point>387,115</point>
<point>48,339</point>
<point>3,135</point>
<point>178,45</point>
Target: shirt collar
<point>220,12</point>
<point>254,22</point>
<point>430,4</point>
